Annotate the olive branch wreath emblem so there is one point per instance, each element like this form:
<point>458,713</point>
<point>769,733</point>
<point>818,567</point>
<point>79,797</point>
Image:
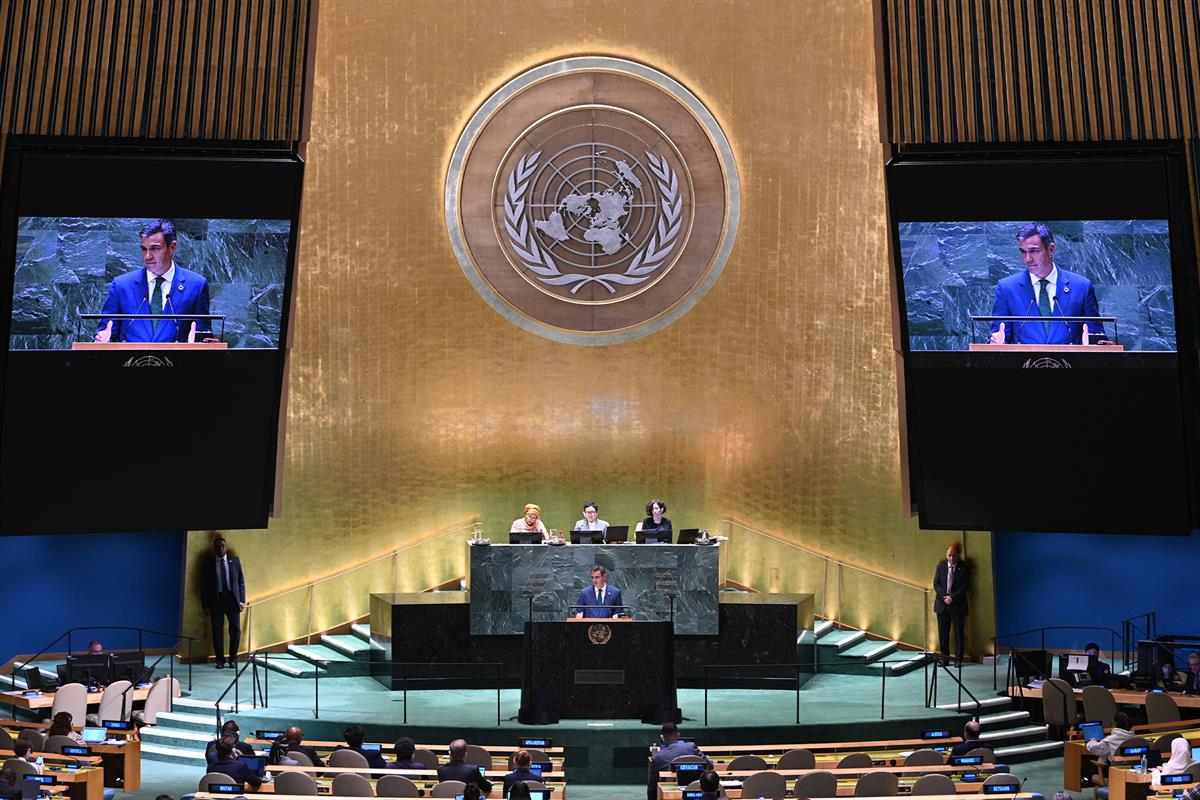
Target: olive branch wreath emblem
<point>538,259</point>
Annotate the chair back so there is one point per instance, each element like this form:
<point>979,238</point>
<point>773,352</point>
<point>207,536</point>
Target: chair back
<point>290,782</point>
<point>20,766</point>
<point>1163,743</point>
<point>214,777</point>
<point>747,762</point>
<point>351,784</point>
<point>1058,702</point>
<point>55,744</point>
<point>1002,778</point>
<point>541,787</point>
<point>159,699</point>
<point>1161,708</point>
<point>1098,704</point>
<point>396,786</point>
<point>816,784</point>
<point>426,757</point>
<point>797,759</point>
<point>986,752</point>
<point>766,784</point>
<point>1193,769</point>
<point>877,784</point>
<point>36,739</point>
<point>6,740</point>
<point>478,756</point>
<point>933,784</point>
<point>115,703</point>
<point>447,789</point>
<point>855,761</point>
<point>1132,741</point>
<point>347,758</point>
<point>924,758</point>
<point>72,698</point>
<point>687,760</point>
<point>301,759</point>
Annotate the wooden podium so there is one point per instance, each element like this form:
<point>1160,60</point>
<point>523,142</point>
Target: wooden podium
<point>988,347</point>
<point>149,345</point>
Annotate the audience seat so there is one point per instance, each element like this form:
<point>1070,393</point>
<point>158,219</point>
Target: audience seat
<point>55,744</point>
<point>158,700</point>
<point>1002,777</point>
<point>1098,704</point>
<point>347,758</point>
<point>447,789</point>
<point>301,759</point>
<point>933,784</point>
<point>798,759</point>
<point>73,698</point>
<point>816,784</point>
<point>214,777</point>
<point>986,752</point>
<point>856,761</point>
<point>1163,743</point>
<point>1058,704</point>
<point>115,703</point>
<point>396,786</point>
<point>877,784</point>
<point>295,783</point>
<point>478,756</point>
<point>1161,707</point>
<point>20,766</point>
<point>766,784</point>
<point>426,757</point>
<point>924,758</point>
<point>351,784</point>
<point>36,739</point>
<point>747,762</point>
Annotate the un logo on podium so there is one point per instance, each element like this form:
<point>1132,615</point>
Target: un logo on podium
<point>592,200</point>
<point>599,633</point>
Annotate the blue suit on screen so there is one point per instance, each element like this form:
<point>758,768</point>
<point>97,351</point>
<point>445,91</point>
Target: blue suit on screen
<point>599,610</point>
<point>130,294</point>
<point>1076,297</point>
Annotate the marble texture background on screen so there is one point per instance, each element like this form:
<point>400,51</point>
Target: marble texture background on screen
<point>65,265</point>
<point>951,270</point>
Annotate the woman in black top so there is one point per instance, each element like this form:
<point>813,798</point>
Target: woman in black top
<point>655,521</point>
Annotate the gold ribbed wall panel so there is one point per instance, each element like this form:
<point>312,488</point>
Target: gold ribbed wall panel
<point>212,69</point>
<point>1040,70</point>
<point>413,405</point>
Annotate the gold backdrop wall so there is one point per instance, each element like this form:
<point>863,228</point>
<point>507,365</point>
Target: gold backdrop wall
<point>414,406</point>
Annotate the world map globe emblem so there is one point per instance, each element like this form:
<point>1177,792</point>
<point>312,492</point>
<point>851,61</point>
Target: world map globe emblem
<point>592,200</point>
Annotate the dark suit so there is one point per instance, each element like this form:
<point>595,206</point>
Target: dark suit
<point>467,773</point>
<point>374,757</point>
<point>281,748</point>
<point>661,761</point>
<point>236,770</point>
<point>1074,296</point>
<point>956,612</point>
<point>516,776</point>
<point>130,294</point>
<point>11,792</point>
<point>962,748</point>
<point>599,609</point>
<point>222,600</point>
<point>239,748</point>
<point>1190,683</point>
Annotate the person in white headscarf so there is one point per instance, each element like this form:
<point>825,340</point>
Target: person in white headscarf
<point>1181,758</point>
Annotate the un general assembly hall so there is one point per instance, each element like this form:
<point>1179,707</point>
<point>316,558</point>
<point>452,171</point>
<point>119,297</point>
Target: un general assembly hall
<point>684,399</point>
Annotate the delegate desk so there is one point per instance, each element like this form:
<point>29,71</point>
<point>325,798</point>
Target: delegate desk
<point>599,669</point>
<point>501,754</point>
<point>425,779</point>
<point>122,760</point>
<point>45,700</point>
<point>669,789</point>
<point>884,752</point>
<point>1125,784</point>
<point>1127,697</point>
<point>81,777</point>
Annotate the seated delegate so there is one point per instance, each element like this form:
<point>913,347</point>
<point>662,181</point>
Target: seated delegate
<point>531,522</point>
<point>655,521</point>
<point>354,736</point>
<point>591,518</point>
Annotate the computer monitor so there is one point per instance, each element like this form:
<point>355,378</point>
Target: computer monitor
<point>1092,731</point>
<point>1032,664</point>
<point>653,537</point>
<point>130,666</point>
<point>377,748</point>
<point>616,533</point>
<point>1196,754</point>
<point>688,535</point>
<point>539,794</point>
<point>256,764</point>
<point>88,669</point>
<point>1076,668</point>
<point>587,537</point>
<point>524,537</point>
<point>538,767</point>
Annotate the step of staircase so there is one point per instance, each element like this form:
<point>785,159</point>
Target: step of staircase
<point>897,662</point>
<point>187,721</point>
<point>362,630</point>
<point>288,665</point>
<point>1024,734</point>
<point>174,755</point>
<point>822,627</point>
<point>837,638</point>
<point>990,703</point>
<point>166,736</point>
<point>331,662</point>
<point>1003,718</point>
<point>869,650</point>
<point>1027,752</point>
<point>348,645</point>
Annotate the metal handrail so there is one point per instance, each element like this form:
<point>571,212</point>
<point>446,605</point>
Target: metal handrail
<point>932,689</point>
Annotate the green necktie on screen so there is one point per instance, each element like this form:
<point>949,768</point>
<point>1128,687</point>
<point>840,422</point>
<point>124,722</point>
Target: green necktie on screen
<point>1044,303</point>
<point>156,302</point>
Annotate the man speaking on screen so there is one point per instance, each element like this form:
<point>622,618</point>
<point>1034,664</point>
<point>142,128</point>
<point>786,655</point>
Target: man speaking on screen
<point>1046,290</point>
<point>162,287</point>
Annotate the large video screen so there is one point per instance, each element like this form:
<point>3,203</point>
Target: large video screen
<point>1014,418</point>
<point>148,288</point>
<point>230,269</point>
<point>1118,271</point>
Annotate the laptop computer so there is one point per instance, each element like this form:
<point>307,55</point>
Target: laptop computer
<point>587,537</point>
<point>617,533</point>
<point>94,735</point>
<point>257,764</point>
<point>653,537</point>
<point>1092,731</point>
<point>688,535</point>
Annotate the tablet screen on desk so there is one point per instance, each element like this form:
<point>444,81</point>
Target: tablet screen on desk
<point>94,735</point>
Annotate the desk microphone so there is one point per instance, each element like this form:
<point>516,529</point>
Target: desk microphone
<point>1028,308</point>
<point>127,323</point>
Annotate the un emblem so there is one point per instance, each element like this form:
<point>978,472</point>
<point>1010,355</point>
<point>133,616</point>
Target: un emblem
<point>592,200</point>
<point>599,633</point>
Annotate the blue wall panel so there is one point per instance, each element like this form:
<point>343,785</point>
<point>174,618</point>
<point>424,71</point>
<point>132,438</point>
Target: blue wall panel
<point>1051,579</point>
<point>57,582</point>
